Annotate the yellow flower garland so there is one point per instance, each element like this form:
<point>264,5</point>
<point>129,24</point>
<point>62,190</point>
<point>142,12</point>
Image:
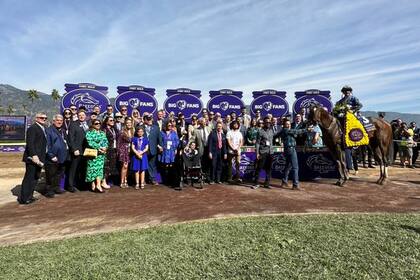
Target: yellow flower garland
<point>353,125</point>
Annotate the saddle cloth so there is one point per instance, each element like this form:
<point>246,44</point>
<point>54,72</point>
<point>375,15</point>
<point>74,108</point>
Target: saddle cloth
<point>366,123</point>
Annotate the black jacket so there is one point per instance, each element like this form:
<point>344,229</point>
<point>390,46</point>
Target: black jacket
<point>36,143</point>
<point>76,137</point>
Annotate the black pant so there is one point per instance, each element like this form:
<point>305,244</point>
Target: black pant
<point>32,174</point>
<point>217,162</point>
<point>75,172</point>
<point>415,154</point>
<point>53,172</point>
<point>205,164</point>
<point>263,163</point>
<point>168,175</point>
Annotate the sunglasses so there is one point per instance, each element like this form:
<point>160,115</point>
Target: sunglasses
<point>110,120</point>
<point>73,109</point>
<point>97,123</point>
<point>42,118</point>
<point>67,113</point>
<point>123,110</point>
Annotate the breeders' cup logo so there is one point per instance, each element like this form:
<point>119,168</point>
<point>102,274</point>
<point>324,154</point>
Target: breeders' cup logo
<point>84,98</point>
<point>247,165</point>
<point>87,98</point>
<point>278,163</point>
<point>307,100</point>
<point>356,134</point>
<point>270,104</point>
<point>181,104</point>
<point>224,105</point>
<point>320,163</point>
<point>188,104</point>
<point>139,100</point>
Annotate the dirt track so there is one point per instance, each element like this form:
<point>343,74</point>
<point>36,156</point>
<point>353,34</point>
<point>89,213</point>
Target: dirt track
<point>85,212</point>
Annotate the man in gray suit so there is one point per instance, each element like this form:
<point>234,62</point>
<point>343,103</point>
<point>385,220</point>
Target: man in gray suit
<point>200,136</point>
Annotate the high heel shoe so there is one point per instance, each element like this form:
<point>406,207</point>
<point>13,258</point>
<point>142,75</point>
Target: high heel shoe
<point>142,186</point>
<point>137,186</point>
<point>105,186</point>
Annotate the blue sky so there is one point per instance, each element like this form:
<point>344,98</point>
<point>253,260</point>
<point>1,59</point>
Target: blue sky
<point>244,45</point>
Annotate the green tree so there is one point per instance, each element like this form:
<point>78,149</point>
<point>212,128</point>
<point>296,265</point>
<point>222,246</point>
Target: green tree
<point>33,95</point>
<point>55,95</point>
<point>10,109</point>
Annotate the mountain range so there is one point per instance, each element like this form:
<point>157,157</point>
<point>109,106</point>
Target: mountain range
<point>14,101</point>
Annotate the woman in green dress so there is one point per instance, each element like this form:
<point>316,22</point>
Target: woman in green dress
<point>97,140</point>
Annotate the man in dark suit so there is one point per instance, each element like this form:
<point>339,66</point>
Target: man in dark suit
<point>217,152</point>
<point>155,146</point>
<point>77,143</point>
<point>34,158</point>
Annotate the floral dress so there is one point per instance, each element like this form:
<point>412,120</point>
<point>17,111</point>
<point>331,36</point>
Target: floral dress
<point>95,166</point>
<point>124,142</point>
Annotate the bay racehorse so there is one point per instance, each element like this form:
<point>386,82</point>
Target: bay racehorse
<point>380,140</point>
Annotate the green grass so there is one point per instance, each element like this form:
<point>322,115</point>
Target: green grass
<point>296,247</point>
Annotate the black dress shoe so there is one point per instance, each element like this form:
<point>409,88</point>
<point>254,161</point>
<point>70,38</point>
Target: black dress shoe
<point>25,202</point>
<point>72,190</point>
<point>49,195</point>
<point>59,192</point>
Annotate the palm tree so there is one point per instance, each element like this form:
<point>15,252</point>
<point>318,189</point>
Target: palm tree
<point>10,109</point>
<point>33,95</point>
<point>55,95</point>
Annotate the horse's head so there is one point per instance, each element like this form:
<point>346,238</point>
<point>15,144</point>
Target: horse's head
<point>314,114</point>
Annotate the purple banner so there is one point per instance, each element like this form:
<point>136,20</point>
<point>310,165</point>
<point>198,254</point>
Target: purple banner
<point>87,95</point>
<point>269,102</point>
<point>136,97</point>
<point>183,100</point>
<point>225,101</point>
<point>304,99</point>
<point>12,148</point>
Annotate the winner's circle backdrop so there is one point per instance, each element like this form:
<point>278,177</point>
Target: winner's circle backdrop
<point>136,97</point>
<point>269,101</point>
<point>304,99</point>
<point>225,101</point>
<point>84,94</point>
<point>183,100</point>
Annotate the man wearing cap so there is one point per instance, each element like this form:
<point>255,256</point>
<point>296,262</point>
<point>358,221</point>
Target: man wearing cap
<point>118,122</point>
<point>347,102</point>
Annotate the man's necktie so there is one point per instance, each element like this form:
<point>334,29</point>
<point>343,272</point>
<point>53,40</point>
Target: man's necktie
<point>219,140</point>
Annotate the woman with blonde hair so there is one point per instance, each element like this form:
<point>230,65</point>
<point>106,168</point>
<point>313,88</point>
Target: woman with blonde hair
<point>124,143</point>
<point>135,115</point>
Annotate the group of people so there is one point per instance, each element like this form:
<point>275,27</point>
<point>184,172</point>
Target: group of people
<point>91,150</point>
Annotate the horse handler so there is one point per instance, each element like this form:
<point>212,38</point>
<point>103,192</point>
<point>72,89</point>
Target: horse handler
<point>288,137</point>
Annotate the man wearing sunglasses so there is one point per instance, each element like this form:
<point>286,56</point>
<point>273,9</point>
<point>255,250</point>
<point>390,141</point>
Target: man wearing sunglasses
<point>34,158</point>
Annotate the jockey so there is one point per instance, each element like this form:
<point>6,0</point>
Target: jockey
<point>347,103</point>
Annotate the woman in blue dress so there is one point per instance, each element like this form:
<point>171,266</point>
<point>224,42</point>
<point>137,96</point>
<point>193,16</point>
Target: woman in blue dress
<point>170,143</point>
<point>139,161</point>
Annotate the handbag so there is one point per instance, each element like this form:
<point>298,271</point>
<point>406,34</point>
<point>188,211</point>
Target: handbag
<point>90,153</point>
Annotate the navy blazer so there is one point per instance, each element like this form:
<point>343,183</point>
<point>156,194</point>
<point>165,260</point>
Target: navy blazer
<point>56,145</point>
<point>155,138</point>
<point>212,143</point>
<point>36,144</point>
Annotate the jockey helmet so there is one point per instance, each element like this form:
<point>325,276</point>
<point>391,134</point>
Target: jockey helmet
<point>346,88</point>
